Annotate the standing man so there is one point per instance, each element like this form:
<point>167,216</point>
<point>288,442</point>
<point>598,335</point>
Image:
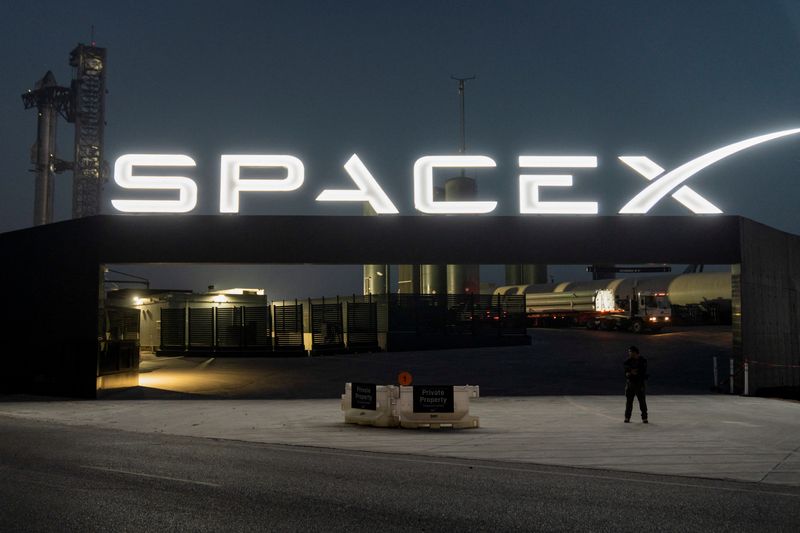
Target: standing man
<point>635,377</point>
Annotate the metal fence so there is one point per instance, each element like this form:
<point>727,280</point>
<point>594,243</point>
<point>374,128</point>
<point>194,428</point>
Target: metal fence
<point>326,325</point>
<point>337,325</point>
<point>289,327</point>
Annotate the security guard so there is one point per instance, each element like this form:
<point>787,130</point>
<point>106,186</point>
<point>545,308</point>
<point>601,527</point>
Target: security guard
<point>635,377</point>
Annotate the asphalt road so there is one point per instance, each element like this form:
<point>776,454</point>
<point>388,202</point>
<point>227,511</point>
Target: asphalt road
<point>59,478</point>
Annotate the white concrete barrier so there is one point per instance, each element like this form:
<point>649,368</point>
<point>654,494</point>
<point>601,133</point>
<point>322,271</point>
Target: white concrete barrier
<point>437,406</point>
<point>370,405</point>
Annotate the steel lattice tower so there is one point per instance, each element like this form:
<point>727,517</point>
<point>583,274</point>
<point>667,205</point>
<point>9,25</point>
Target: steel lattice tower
<point>88,114</point>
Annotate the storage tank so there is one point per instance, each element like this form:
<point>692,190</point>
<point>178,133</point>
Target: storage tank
<point>690,289</point>
<point>462,279</point>
<point>682,289</point>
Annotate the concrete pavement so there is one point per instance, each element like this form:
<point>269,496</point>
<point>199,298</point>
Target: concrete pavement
<point>558,401</point>
<point>712,436</point>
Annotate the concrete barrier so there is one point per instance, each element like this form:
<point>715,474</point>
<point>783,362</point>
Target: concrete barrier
<point>370,405</point>
<point>437,406</point>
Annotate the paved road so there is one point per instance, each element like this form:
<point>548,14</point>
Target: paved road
<point>61,478</point>
<point>559,362</point>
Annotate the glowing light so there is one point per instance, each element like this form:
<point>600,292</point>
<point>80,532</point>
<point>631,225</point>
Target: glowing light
<point>696,203</point>
<point>186,187</point>
<point>645,200</point>
<point>231,184</point>
<point>241,291</point>
<point>423,184</point>
<point>604,301</point>
<point>220,299</point>
<point>529,184</point>
<point>685,195</point>
<point>558,161</point>
<point>368,189</point>
<point>643,165</point>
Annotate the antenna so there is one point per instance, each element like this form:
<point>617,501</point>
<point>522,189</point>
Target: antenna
<point>463,146</point>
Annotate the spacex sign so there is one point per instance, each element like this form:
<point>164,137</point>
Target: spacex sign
<point>537,172</point>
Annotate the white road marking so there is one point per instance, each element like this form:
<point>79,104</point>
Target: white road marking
<point>740,423</point>
<point>205,363</point>
<point>140,474</point>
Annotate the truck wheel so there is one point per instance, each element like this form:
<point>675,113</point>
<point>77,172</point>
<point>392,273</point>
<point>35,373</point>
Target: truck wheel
<point>637,326</point>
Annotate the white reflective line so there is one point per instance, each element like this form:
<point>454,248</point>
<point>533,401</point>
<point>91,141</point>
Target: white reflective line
<point>166,478</point>
<point>205,363</point>
<point>745,424</point>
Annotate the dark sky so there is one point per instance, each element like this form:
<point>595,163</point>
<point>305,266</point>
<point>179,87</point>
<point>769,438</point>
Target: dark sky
<point>321,80</point>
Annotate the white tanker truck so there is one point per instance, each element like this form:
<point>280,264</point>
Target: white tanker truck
<point>636,304</point>
<point>600,309</point>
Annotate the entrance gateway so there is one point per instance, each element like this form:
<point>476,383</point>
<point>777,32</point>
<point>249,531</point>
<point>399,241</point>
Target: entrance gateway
<point>52,336</point>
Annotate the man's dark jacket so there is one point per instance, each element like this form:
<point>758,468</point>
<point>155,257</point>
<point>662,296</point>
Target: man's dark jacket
<point>639,364</point>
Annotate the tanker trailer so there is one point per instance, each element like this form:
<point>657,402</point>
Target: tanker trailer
<point>599,309</point>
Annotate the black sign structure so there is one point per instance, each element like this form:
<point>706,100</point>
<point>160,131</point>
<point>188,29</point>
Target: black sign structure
<point>363,396</point>
<point>629,270</point>
<point>433,399</point>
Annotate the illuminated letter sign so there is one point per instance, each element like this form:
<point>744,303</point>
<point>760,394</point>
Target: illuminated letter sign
<point>368,189</point>
<point>654,192</point>
<point>186,187</point>
<point>529,185</point>
<point>685,195</point>
<point>231,185</point>
<point>423,184</point>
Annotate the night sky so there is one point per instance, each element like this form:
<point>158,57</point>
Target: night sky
<point>323,80</point>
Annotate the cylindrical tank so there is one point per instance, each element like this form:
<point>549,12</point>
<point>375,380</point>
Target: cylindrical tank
<point>460,188</point>
<point>696,288</point>
<point>683,289</point>
<point>462,279</point>
<point>526,274</point>
<point>376,279</point>
<point>408,278</point>
<point>433,279</point>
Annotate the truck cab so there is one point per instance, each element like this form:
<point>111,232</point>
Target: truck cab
<point>648,311</point>
<point>638,312</point>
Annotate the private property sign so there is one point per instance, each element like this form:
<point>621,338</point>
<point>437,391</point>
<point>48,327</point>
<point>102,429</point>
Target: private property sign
<point>232,185</point>
<point>433,398</point>
<point>364,396</point>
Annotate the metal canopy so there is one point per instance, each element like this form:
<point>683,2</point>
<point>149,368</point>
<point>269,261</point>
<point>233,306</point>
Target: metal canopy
<point>384,240</point>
